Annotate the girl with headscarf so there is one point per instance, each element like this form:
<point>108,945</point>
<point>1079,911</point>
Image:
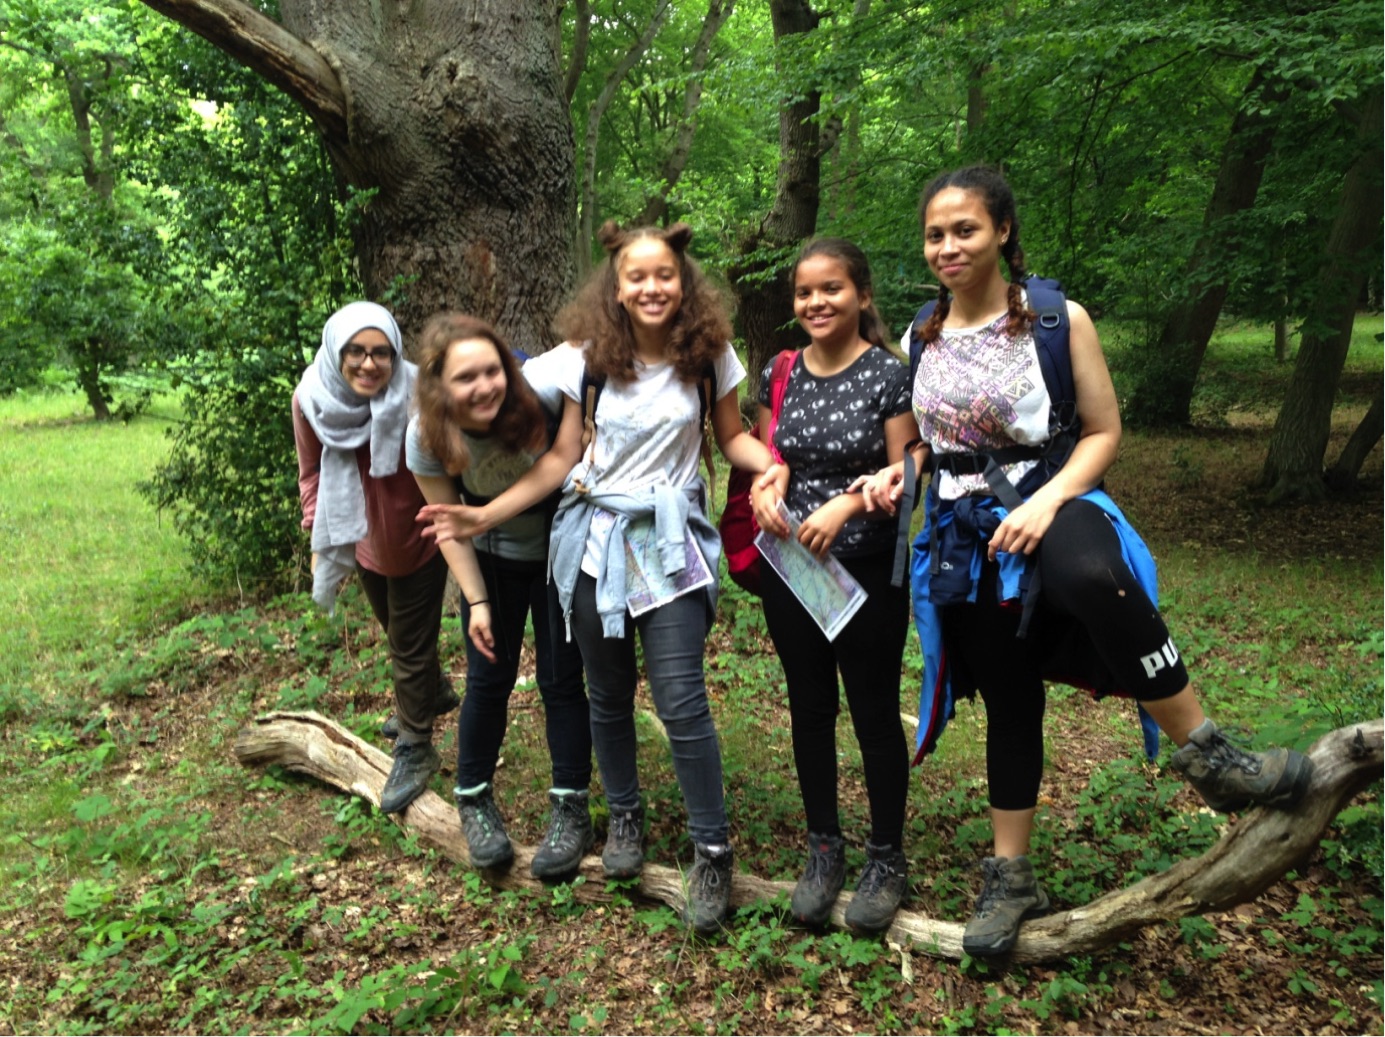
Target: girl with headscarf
<point>350,411</point>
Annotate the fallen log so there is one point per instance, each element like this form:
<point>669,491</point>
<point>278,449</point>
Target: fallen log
<point>1254,853</point>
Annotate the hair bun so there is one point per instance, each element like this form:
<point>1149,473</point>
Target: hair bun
<point>611,236</point>
<point>678,237</point>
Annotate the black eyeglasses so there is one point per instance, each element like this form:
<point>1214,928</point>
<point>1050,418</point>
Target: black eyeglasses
<point>355,355</point>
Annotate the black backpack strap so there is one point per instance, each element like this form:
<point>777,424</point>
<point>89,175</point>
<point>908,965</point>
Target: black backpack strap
<point>707,399</point>
<point>588,394</point>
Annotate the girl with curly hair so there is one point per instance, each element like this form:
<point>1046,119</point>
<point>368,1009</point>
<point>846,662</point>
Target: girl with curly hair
<point>651,326</point>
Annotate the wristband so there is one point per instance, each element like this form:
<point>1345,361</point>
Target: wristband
<point>483,601</point>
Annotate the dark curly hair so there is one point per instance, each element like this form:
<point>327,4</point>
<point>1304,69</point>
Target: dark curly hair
<point>519,425</point>
<point>872,326</point>
<point>999,200</point>
<point>700,330</point>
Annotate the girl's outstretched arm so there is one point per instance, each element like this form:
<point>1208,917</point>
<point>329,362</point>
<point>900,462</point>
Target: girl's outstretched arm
<point>453,522</point>
<point>736,444</point>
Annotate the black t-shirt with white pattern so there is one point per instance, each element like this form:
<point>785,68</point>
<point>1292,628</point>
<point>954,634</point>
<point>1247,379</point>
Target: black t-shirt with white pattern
<point>832,430</point>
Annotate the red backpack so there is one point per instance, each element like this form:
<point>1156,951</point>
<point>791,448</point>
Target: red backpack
<point>738,526</point>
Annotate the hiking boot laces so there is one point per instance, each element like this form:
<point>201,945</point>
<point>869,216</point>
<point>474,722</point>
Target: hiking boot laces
<point>876,873</point>
<point>1224,754</point>
<point>995,890</point>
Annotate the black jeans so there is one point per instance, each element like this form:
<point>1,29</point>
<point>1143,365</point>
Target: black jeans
<point>868,651</point>
<point>517,590</point>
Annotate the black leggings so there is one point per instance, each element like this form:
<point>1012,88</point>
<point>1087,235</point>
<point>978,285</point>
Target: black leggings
<point>867,651</point>
<point>1083,578</point>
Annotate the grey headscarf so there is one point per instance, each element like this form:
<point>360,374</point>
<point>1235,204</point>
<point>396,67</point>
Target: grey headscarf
<point>344,421</point>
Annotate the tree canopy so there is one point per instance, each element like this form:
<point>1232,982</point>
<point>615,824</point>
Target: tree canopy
<point>202,181</point>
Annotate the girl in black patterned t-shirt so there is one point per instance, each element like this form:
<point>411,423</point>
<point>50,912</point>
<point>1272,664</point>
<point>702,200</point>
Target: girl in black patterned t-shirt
<point>845,410</point>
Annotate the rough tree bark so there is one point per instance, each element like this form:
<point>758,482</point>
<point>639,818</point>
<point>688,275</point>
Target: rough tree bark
<point>1254,854</point>
<point>1298,444</point>
<point>764,308</point>
<point>454,115</point>
<point>1164,392</point>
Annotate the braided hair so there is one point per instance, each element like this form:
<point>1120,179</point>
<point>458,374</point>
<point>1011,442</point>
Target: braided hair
<point>995,194</point>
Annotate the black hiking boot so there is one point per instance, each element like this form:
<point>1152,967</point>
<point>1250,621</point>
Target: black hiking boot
<point>823,878</point>
<point>1009,895</point>
<point>1230,778</point>
<point>884,881</point>
<point>568,839</point>
<point>415,763</point>
<point>623,856</point>
<point>486,841</point>
<point>709,889</point>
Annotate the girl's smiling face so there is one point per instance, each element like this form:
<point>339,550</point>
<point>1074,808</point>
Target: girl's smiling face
<point>826,300</point>
<point>474,380</point>
<point>648,285</point>
<point>364,374</point>
<point>960,242</point>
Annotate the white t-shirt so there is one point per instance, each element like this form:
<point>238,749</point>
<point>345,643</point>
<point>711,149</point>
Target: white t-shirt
<point>648,432</point>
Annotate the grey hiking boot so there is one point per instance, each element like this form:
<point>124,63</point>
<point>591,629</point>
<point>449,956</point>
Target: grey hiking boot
<point>884,881</point>
<point>1229,778</point>
<point>1009,895</point>
<point>623,857</point>
<point>569,836</point>
<point>822,880</point>
<point>445,703</point>
<point>483,827</point>
<point>415,763</point>
<point>709,889</point>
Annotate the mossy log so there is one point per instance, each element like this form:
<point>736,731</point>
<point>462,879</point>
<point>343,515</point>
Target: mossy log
<point>1254,853</point>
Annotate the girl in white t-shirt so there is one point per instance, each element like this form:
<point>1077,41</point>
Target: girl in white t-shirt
<point>656,336</point>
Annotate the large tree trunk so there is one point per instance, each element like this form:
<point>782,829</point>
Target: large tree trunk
<point>1164,393</point>
<point>1252,856</point>
<point>1298,444</point>
<point>453,115</point>
<point>764,301</point>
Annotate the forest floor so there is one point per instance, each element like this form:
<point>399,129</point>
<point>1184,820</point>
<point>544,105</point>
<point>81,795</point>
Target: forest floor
<point>192,895</point>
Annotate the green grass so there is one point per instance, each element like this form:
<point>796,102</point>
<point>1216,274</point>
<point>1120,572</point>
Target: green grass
<point>151,884</point>
<point>87,558</point>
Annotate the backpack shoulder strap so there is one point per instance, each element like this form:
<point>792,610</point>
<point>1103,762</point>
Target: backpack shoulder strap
<point>589,393</point>
<point>1051,336</point>
<point>706,400</point>
<point>916,340</point>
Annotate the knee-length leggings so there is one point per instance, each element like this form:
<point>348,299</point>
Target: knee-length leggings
<point>1084,577</point>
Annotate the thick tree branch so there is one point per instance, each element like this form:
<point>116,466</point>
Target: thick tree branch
<point>264,46</point>
<point>1254,854</point>
<point>581,37</point>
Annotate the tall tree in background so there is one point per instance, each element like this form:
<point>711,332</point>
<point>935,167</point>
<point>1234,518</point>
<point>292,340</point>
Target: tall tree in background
<point>765,309</point>
<point>454,117</point>
<point>1163,393</point>
<point>1298,444</point>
